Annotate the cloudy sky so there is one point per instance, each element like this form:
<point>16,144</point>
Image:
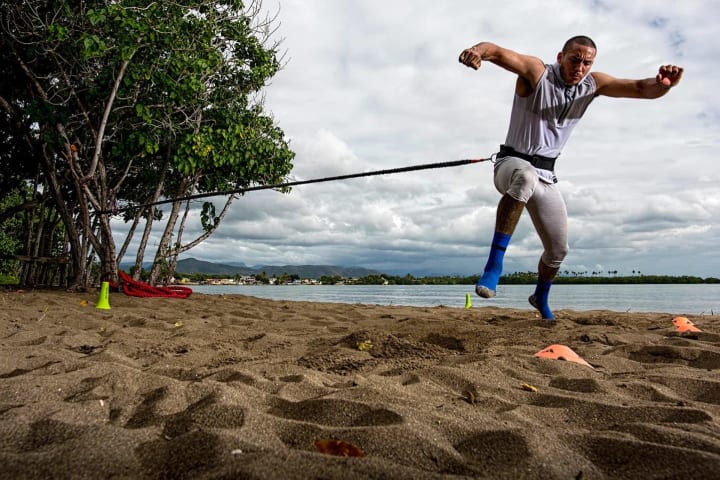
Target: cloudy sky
<point>376,84</point>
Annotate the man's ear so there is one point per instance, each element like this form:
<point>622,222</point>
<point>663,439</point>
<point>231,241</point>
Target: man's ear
<point>559,56</point>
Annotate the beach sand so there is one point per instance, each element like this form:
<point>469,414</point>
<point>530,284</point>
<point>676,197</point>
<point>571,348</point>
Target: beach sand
<point>239,387</point>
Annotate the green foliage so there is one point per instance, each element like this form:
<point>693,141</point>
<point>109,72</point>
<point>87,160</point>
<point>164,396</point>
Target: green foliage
<point>187,76</point>
<point>331,280</point>
<point>286,278</point>
<point>262,278</point>
<point>12,234</point>
<point>8,280</point>
<point>373,280</point>
<point>207,216</point>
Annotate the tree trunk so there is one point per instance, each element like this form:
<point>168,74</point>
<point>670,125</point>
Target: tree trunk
<point>129,237</point>
<point>163,249</point>
<point>209,232</point>
<point>108,262</point>
<point>77,255</point>
<point>150,219</point>
<point>172,264</point>
<point>179,248</point>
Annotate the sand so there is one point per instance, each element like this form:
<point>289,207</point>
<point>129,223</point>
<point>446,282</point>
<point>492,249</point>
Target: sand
<point>239,387</point>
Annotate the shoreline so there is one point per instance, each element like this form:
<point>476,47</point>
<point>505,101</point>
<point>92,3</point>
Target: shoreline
<point>678,300</point>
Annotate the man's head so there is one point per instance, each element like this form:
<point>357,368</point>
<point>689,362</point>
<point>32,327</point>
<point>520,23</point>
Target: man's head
<point>576,59</point>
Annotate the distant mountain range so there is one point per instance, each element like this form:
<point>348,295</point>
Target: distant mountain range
<point>192,265</point>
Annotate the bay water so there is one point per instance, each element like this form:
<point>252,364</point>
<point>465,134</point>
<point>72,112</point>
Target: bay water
<point>695,299</point>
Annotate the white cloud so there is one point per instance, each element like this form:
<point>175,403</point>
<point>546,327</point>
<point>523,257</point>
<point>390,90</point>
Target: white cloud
<point>373,85</point>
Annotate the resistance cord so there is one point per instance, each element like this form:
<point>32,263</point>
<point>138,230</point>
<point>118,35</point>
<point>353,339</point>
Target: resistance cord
<point>427,166</point>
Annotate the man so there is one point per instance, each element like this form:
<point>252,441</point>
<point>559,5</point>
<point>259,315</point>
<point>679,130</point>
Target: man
<point>549,101</point>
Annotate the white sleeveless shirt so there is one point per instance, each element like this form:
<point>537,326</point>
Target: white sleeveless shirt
<point>541,123</point>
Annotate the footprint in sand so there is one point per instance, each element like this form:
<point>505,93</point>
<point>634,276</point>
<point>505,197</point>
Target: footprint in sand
<point>502,449</point>
<point>697,390</point>
<point>187,456</point>
<point>693,357</point>
<point>580,385</point>
<point>626,457</point>
<point>335,413</point>
<point>206,412</point>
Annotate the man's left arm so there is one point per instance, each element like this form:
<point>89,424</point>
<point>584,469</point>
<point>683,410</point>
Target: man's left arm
<point>668,76</point>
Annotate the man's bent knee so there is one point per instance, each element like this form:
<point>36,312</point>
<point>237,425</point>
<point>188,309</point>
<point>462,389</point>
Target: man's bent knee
<point>523,183</point>
<point>515,177</point>
<point>554,258</point>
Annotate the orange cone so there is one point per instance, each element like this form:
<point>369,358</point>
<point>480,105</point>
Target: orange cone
<point>682,324</point>
<point>561,352</point>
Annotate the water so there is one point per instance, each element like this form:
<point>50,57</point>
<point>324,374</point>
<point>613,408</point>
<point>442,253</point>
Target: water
<point>695,299</point>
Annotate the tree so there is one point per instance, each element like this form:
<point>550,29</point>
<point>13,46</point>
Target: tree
<point>262,278</point>
<point>331,280</point>
<point>11,234</point>
<point>129,102</point>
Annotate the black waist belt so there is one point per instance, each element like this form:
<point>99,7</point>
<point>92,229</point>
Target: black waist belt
<point>537,161</point>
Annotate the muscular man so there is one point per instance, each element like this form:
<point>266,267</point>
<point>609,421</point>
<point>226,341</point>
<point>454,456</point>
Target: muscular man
<point>549,101</point>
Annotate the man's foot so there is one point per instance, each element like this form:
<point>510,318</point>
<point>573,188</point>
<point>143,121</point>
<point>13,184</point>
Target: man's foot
<point>487,284</point>
<point>543,309</point>
<point>484,291</point>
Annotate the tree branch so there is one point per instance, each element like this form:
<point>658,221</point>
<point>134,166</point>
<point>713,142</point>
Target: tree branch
<point>103,122</point>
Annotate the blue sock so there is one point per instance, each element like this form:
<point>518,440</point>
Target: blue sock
<point>542,290</point>
<point>494,265</point>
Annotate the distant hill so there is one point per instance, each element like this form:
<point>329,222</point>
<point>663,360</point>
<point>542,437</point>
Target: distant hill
<point>192,265</point>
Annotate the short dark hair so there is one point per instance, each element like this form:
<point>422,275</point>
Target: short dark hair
<point>580,40</point>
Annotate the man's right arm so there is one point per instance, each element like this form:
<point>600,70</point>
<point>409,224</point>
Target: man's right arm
<point>528,67</point>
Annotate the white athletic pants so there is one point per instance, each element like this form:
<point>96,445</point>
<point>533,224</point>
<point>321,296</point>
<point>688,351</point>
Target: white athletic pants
<point>543,201</point>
